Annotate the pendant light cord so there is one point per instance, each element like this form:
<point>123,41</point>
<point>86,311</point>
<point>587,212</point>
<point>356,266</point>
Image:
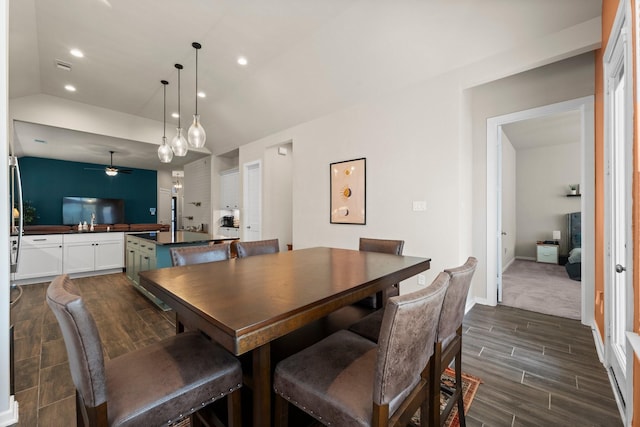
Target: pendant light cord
<point>164,111</point>
<point>179,67</point>
<point>196,81</point>
<point>197,47</point>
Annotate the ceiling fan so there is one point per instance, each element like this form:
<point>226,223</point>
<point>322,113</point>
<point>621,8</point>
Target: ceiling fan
<point>112,170</point>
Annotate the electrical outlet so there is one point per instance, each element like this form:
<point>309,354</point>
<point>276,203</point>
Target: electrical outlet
<point>422,280</point>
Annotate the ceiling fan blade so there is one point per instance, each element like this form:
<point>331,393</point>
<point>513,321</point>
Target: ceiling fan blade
<point>94,169</point>
<point>127,171</point>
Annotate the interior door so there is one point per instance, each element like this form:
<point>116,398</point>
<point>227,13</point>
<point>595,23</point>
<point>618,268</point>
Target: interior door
<point>252,201</point>
<point>164,206</point>
<point>618,152</point>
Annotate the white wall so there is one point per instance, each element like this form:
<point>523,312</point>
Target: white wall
<point>277,207</point>
<point>543,176</point>
<point>509,179</point>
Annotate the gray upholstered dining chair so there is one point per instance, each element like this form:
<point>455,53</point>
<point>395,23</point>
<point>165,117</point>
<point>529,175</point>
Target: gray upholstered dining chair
<point>258,247</point>
<point>155,385</point>
<point>448,345</point>
<point>187,255</point>
<point>347,380</point>
<point>385,246</point>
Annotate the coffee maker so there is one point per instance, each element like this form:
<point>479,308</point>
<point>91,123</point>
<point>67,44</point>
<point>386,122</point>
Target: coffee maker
<point>227,221</point>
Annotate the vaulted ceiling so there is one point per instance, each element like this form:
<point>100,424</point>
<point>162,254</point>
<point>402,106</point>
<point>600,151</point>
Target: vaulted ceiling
<point>306,58</point>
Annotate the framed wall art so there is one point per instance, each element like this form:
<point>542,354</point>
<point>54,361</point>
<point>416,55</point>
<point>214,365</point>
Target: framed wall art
<point>348,192</point>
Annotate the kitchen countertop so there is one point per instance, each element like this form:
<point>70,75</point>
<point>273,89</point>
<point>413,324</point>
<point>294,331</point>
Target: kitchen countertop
<point>178,237</point>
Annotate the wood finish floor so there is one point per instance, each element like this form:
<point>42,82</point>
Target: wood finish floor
<point>537,370</point>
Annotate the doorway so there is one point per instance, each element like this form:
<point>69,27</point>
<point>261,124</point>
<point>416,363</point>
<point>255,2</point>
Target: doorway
<point>494,196</point>
<point>252,190</point>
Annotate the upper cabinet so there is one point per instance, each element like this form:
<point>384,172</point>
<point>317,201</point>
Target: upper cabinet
<point>230,189</point>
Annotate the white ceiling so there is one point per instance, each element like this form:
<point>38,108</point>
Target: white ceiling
<point>556,129</point>
<point>307,58</point>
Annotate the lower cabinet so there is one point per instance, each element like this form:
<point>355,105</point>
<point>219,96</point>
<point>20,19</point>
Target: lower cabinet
<point>45,256</point>
<point>93,252</point>
<point>141,256</point>
<point>40,256</point>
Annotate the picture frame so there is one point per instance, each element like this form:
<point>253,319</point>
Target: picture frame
<point>348,192</point>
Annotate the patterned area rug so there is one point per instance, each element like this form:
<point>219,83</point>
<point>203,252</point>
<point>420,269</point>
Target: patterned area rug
<point>469,387</point>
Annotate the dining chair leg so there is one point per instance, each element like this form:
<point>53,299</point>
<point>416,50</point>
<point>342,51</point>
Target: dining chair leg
<point>79,416</point>
<point>459,392</point>
<point>281,412</point>
<point>434,385</point>
<point>234,408</point>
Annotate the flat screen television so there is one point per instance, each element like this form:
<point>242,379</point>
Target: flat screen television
<point>79,209</point>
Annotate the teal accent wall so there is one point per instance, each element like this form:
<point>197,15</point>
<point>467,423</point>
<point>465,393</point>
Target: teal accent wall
<point>46,181</point>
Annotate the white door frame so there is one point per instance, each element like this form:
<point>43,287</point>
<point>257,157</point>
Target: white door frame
<point>618,55</point>
<point>494,172</point>
<point>245,196</point>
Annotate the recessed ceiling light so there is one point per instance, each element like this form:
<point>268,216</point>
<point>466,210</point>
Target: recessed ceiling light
<point>77,53</point>
<point>242,60</point>
<point>175,115</point>
<point>202,95</point>
<point>70,88</point>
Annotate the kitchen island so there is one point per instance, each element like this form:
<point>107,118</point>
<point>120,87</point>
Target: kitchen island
<point>149,251</point>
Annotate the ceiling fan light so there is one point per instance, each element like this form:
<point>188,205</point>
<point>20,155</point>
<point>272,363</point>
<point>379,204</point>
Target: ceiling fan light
<point>165,153</point>
<point>196,135</point>
<point>179,144</point>
<point>111,171</point>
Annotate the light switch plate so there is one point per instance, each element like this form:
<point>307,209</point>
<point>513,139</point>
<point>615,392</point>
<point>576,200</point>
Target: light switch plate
<point>419,205</point>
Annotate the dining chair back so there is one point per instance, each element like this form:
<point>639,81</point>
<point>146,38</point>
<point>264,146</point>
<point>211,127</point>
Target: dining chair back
<point>384,246</point>
<point>258,247</point>
<point>187,255</point>
<point>448,345</point>
<point>346,379</point>
<point>158,384</point>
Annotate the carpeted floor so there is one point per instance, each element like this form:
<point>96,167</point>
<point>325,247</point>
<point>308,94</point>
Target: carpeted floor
<point>469,387</point>
<point>541,287</point>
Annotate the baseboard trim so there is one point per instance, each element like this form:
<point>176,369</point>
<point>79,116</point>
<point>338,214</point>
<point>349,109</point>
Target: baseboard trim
<point>10,416</point>
<point>597,340</point>
<point>469,305</point>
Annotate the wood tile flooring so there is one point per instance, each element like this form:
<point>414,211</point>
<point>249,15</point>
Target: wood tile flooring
<point>536,369</point>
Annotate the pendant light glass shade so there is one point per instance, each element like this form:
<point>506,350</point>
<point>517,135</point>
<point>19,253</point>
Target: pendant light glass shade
<point>179,143</point>
<point>196,135</point>
<point>165,153</point>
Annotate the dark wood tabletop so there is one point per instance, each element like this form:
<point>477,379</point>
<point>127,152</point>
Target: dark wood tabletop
<point>244,304</point>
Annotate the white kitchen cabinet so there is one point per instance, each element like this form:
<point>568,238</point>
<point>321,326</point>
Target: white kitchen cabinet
<point>40,256</point>
<point>230,232</point>
<point>230,189</point>
<point>93,252</point>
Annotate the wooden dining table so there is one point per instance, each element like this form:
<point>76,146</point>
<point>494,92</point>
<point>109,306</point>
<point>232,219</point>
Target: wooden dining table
<point>245,304</point>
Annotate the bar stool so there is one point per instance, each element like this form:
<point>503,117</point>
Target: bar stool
<point>347,380</point>
<point>156,385</point>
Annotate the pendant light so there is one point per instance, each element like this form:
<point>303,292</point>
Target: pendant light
<point>196,136</point>
<point>165,153</point>
<point>179,144</point>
